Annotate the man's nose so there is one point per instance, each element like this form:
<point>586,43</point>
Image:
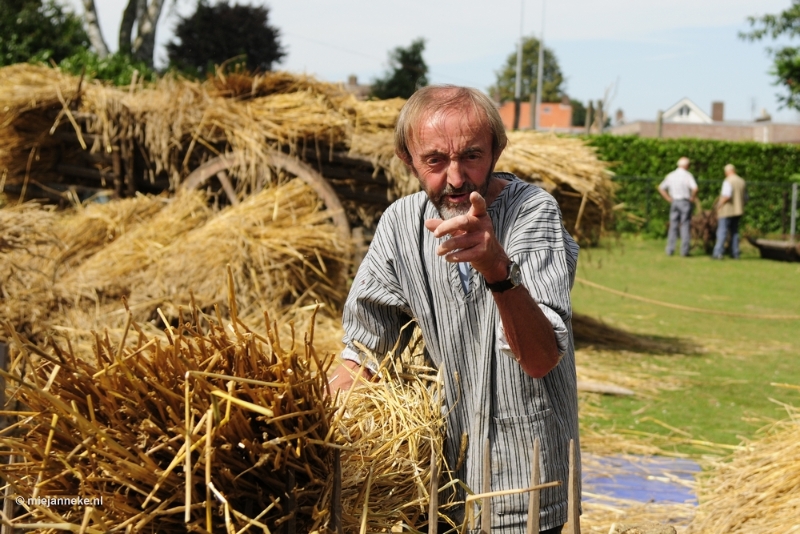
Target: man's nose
<point>455,174</point>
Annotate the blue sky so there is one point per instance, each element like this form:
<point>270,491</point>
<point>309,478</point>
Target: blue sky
<point>654,52</point>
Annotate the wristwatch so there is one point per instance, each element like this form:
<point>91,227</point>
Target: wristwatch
<point>513,280</point>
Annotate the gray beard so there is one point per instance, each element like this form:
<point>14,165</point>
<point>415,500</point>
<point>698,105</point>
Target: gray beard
<point>447,210</point>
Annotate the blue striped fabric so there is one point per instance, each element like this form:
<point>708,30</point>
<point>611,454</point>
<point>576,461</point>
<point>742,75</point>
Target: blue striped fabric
<point>487,393</point>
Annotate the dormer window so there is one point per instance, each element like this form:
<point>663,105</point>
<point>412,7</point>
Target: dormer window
<point>684,111</point>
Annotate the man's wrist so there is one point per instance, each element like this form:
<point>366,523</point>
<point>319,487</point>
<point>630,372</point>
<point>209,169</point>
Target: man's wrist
<point>498,273</point>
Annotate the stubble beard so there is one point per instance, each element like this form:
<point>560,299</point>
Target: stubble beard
<point>449,210</point>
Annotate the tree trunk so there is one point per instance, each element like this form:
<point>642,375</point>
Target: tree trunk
<point>93,29</point>
<point>145,43</point>
<point>126,27</point>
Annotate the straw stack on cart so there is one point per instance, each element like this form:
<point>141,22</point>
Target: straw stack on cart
<point>58,131</point>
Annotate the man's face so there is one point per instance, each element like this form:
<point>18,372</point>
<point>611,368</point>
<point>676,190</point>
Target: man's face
<point>451,155</point>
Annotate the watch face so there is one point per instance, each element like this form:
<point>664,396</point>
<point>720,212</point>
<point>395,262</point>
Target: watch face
<point>514,274</point>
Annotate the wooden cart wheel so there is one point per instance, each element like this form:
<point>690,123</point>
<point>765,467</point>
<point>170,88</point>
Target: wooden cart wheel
<point>217,167</point>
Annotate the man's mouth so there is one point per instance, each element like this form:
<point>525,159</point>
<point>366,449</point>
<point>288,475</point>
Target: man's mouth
<point>457,199</point>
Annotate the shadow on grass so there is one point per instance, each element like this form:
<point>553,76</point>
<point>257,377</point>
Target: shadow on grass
<point>591,332</point>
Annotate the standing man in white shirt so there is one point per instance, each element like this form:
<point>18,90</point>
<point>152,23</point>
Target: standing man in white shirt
<point>680,190</point>
<point>730,208</point>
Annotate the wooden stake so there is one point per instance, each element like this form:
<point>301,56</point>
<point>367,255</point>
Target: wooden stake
<point>291,506</point>
<point>336,505</point>
<point>486,505</point>
<point>433,509</point>
<point>209,458</point>
<point>573,495</point>
<point>533,498</point>
<point>187,514</point>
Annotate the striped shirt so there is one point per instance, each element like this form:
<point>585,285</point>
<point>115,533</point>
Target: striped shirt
<point>487,393</point>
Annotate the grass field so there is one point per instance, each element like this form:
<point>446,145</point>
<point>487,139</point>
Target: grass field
<point>719,384</point>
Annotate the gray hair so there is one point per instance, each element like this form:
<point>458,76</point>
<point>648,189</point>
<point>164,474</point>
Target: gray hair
<point>730,168</point>
<point>442,97</point>
<point>683,163</point>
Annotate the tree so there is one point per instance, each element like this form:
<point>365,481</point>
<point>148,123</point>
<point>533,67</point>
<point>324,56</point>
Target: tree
<point>552,79</point>
<point>144,14</point>
<point>215,34</point>
<point>32,29</point>
<point>578,112</point>
<point>786,59</point>
<point>408,72</point>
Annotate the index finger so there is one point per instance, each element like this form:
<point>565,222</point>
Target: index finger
<point>478,208</point>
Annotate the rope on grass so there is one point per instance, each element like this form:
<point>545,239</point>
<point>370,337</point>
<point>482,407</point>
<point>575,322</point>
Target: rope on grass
<point>686,308</point>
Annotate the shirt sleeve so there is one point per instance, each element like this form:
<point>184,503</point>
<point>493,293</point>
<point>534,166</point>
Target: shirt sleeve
<point>376,310</point>
<point>727,190</point>
<point>547,263</point>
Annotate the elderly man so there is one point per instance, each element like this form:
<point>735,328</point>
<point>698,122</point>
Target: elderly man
<point>730,208</point>
<point>680,190</point>
<point>484,265</point>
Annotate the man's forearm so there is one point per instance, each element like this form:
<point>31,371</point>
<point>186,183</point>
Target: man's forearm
<point>529,333</point>
<point>665,195</point>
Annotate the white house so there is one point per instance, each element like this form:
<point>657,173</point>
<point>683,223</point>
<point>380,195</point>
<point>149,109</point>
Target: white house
<point>686,111</point>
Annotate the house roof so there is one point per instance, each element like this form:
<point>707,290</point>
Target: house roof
<point>686,111</point>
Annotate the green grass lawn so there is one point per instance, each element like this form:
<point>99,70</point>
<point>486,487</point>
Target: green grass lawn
<point>726,389</point>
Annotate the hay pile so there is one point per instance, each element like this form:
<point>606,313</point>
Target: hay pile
<point>166,130</point>
<point>757,490</point>
<point>72,269</point>
<point>570,170</point>
<point>253,410</point>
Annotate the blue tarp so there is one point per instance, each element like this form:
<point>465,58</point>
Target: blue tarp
<point>641,478</point>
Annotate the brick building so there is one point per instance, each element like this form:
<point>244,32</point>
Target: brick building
<point>554,116</point>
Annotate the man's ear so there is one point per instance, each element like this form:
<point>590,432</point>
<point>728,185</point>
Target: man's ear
<point>496,156</point>
<point>407,161</point>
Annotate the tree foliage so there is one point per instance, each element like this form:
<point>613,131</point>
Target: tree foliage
<point>116,68</point>
<point>552,79</point>
<point>36,30</point>
<point>407,72</point>
<point>578,112</point>
<point>218,33</point>
<point>786,59</point>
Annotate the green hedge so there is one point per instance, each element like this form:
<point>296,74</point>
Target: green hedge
<point>768,168</point>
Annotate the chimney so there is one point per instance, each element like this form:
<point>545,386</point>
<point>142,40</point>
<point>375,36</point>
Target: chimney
<point>352,80</point>
<point>717,111</point>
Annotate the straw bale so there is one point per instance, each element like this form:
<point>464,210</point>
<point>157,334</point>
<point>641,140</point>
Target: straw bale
<point>48,245</point>
<point>569,169</point>
<point>123,264</point>
<point>281,245</point>
<point>25,225</point>
<point>376,116</point>
<point>258,415</point>
<point>262,423</point>
<point>390,427</point>
<point>757,489</point>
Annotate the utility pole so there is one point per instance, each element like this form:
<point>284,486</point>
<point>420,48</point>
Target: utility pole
<point>540,74</point>
<point>518,82</point>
